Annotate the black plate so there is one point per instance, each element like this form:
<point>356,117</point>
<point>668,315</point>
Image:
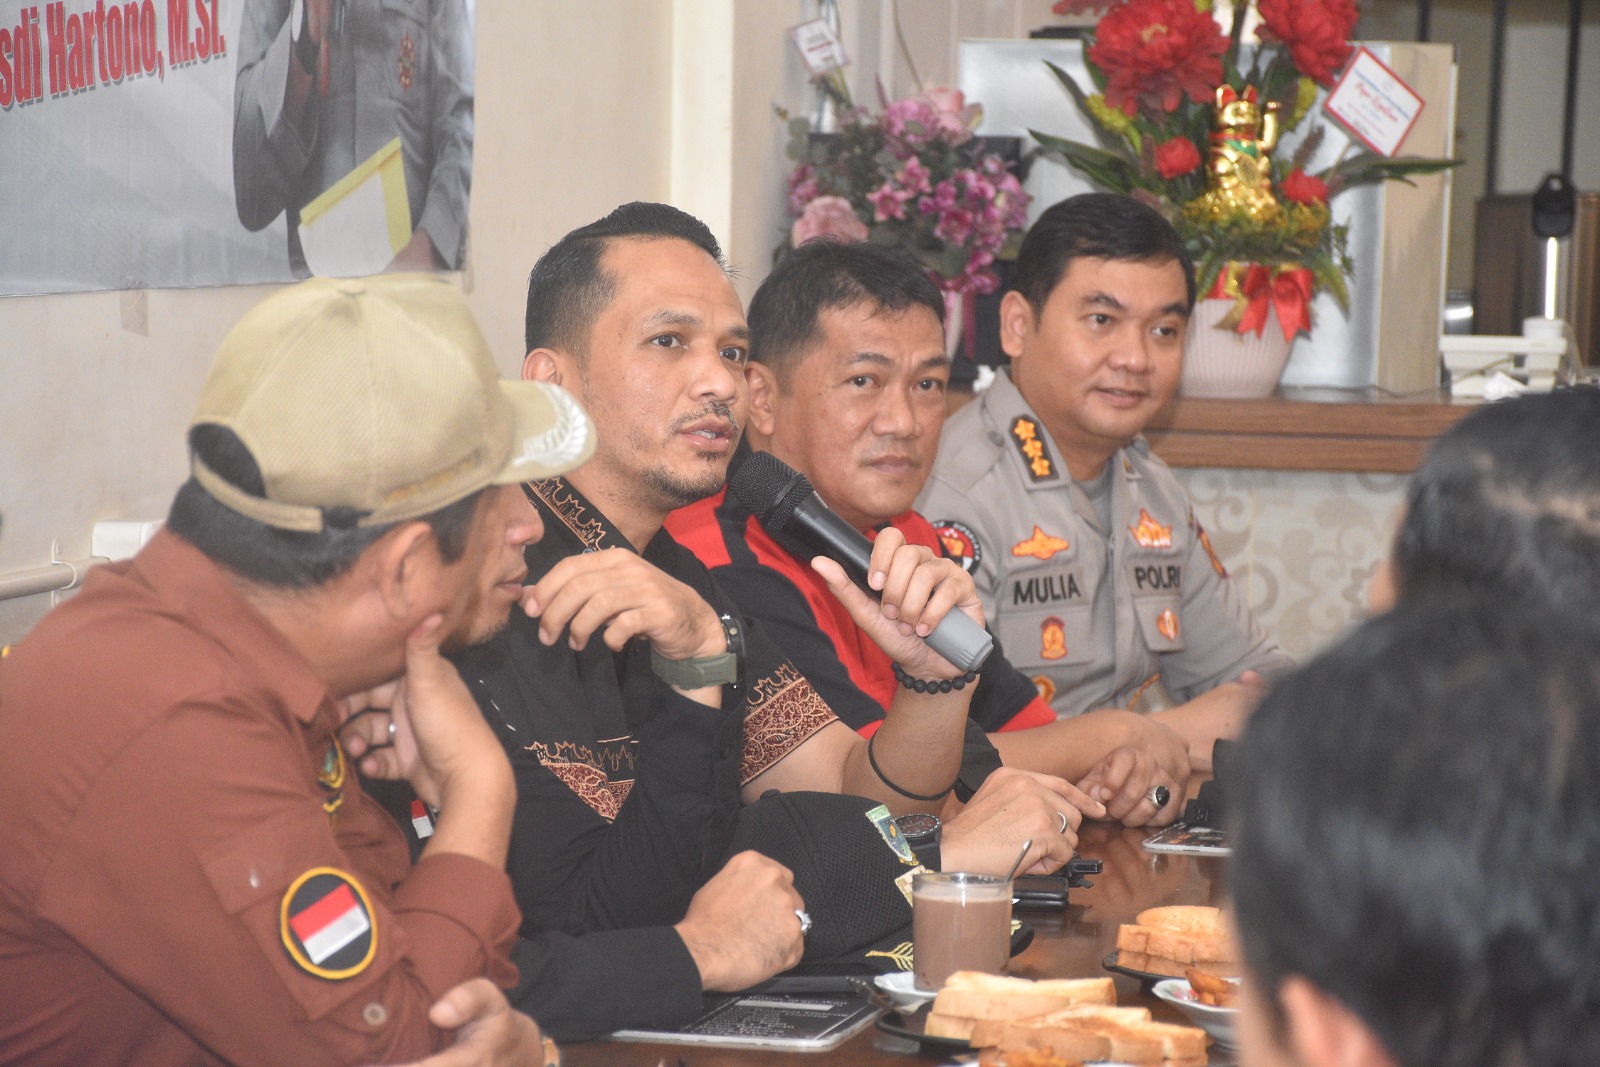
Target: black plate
<point>910,1025</point>
<point>1147,979</point>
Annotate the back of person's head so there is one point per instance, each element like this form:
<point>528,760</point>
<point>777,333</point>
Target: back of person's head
<point>1508,502</point>
<point>1416,821</point>
<point>568,288</point>
<point>337,409</point>
<point>820,276</point>
<point>1094,226</point>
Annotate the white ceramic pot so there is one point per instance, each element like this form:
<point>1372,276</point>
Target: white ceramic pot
<point>1226,363</point>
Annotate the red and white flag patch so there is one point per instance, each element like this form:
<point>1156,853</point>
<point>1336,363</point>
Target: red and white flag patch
<point>327,924</point>
<point>421,819</point>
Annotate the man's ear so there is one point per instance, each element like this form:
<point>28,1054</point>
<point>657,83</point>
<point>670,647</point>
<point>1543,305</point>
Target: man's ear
<point>763,383</point>
<point>1016,322</point>
<point>543,365</point>
<point>1323,1032</point>
<point>406,563</point>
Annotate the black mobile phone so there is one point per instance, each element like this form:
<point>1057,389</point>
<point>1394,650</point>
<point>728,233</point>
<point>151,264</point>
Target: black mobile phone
<point>1039,891</point>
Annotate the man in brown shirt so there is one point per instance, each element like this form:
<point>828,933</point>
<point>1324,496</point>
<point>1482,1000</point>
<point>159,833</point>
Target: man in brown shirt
<point>192,873</point>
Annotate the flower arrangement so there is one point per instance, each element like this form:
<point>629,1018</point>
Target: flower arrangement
<point>1183,122</point>
<point>913,176</point>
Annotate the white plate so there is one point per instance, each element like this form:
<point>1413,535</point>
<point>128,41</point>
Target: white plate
<point>1218,1022</point>
<point>900,987</point>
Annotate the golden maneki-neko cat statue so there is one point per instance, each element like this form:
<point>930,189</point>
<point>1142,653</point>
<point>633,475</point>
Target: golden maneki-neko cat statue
<point>1237,165</point>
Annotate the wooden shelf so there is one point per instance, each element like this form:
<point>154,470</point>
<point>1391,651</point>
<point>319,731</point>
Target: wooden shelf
<point>1309,429</point>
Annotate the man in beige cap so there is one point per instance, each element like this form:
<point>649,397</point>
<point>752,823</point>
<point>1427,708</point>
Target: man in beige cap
<point>192,872</point>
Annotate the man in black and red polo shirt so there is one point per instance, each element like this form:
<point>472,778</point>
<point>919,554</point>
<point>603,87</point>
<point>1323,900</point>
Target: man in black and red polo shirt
<point>847,379</point>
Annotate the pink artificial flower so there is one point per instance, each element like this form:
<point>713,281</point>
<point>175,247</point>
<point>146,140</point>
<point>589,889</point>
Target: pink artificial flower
<point>802,188</point>
<point>913,177</point>
<point>950,113</point>
<point>828,217</point>
<point>888,202</point>
<point>912,121</point>
<point>954,227</point>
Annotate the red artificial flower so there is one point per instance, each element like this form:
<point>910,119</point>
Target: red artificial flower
<point>1154,52</point>
<point>1303,188</point>
<point>1176,157</point>
<point>1316,32</point>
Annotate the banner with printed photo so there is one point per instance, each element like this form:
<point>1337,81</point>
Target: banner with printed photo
<point>164,143</point>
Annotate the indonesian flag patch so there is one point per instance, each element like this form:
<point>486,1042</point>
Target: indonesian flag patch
<point>326,924</point>
<point>421,819</point>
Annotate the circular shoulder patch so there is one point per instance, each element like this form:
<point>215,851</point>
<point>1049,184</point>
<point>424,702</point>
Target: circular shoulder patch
<point>326,924</point>
<point>959,543</point>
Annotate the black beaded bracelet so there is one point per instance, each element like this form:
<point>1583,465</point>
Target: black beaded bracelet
<point>873,760</point>
<point>936,685</point>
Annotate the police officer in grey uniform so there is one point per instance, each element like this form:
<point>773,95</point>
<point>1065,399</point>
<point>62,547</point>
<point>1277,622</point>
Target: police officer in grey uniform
<point>1100,583</point>
<point>323,84</point>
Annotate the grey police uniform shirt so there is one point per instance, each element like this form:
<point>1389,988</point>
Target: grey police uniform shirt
<point>1091,614</point>
<point>398,68</point>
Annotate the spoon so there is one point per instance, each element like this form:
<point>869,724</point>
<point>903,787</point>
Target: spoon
<point>1026,845</point>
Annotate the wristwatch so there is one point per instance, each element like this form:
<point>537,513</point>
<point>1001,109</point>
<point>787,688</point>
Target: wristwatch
<point>725,668</point>
<point>306,50</point>
<point>921,832</point>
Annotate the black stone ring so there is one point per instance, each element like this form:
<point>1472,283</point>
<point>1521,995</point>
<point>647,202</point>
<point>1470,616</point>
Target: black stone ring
<point>1159,796</point>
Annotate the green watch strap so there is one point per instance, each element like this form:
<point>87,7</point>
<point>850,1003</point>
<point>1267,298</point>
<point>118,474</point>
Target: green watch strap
<point>721,669</point>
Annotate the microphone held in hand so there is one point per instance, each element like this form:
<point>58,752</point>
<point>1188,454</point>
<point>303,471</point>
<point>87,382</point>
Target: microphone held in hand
<point>783,501</point>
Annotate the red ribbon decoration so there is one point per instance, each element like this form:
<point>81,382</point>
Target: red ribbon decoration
<point>1287,289</point>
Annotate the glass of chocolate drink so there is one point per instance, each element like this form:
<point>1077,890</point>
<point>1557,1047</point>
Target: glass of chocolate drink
<point>959,922</point>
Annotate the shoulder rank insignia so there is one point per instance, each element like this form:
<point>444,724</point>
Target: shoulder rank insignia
<point>1025,432</point>
<point>1167,624</point>
<point>331,775</point>
<point>1040,545</point>
<point>1205,543</point>
<point>1052,638</point>
<point>1046,687</point>
<point>406,61</point>
<point>1150,533</point>
<point>959,543</point>
<point>326,924</point>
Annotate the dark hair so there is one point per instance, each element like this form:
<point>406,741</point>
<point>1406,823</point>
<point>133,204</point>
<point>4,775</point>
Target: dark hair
<point>284,559</point>
<point>823,274</point>
<point>1416,830</point>
<point>567,289</point>
<point>1508,500</point>
<point>1094,226</point>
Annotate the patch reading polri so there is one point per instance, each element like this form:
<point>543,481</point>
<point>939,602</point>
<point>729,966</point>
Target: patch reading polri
<point>326,924</point>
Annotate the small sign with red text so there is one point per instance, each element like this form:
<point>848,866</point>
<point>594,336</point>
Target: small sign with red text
<point>1372,102</point>
<point>819,46</point>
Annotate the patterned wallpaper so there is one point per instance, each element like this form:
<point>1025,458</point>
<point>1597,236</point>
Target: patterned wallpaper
<point>1304,543</point>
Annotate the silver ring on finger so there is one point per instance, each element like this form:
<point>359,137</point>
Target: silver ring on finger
<point>1159,795</point>
<point>805,921</point>
<point>392,731</point>
<point>1063,817</point>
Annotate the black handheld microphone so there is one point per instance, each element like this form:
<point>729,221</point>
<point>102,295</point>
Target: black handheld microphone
<point>783,501</point>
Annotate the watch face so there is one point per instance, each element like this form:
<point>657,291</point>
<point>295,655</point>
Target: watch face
<point>916,825</point>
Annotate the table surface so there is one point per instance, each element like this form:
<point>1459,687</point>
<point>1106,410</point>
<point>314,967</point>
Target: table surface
<point>1069,944</point>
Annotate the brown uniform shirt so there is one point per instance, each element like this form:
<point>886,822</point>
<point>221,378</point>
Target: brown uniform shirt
<point>167,776</point>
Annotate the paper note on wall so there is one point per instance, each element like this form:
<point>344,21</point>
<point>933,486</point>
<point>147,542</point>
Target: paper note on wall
<point>356,225</point>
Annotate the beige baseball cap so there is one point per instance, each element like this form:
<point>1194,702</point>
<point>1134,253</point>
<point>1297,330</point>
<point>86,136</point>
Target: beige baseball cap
<point>377,395</point>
